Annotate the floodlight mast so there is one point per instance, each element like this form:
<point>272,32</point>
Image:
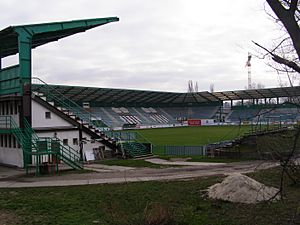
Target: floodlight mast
<point>248,65</point>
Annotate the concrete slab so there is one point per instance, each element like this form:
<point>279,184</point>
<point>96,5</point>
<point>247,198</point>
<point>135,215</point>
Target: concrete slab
<point>181,163</point>
<point>132,175</point>
<point>6,172</point>
<point>104,168</point>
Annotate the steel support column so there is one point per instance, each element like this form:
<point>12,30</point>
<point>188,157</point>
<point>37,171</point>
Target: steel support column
<point>24,46</point>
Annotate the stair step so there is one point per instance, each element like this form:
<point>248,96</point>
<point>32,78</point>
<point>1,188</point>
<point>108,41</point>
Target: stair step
<point>38,93</point>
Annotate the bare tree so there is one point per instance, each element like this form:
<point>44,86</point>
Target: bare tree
<point>190,86</point>
<point>211,88</point>
<point>286,52</point>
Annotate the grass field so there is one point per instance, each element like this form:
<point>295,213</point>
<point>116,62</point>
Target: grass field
<point>192,136</point>
<point>144,203</point>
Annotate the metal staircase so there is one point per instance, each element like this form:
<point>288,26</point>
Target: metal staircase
<point>71,109</point>
<point>133,144</point>
<point>45,92</point>
<point>135,149</point>
<point>40,150</point>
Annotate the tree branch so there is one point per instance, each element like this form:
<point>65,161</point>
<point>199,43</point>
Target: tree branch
<point>287,17</point>
<point>280,60</point>
<point>293,6</point>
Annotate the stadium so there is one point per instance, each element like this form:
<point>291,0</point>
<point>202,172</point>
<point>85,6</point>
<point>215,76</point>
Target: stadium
<point>44,123</point>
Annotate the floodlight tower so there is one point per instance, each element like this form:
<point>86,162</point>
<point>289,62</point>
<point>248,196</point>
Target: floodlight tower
<point>248,65</point>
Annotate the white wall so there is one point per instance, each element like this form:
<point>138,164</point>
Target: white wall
<point>39,120</point>
<point>70,135</point>
<point>63,135</point>
<point>12,156</point>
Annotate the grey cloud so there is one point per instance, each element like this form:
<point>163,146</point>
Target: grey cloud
<point>157,45</point>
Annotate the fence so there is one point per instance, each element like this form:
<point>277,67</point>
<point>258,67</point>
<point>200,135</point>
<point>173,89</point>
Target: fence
<point>179,150</point>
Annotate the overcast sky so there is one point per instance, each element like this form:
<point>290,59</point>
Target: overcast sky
<point>156,45</point>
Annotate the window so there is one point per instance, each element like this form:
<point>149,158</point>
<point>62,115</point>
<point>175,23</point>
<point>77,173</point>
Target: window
<point>11,107</point>
<point>86,105</point>
<point>65,141</point>
<point>7,108</point>
<point>9,141</point>
<point>75,141</point>
<point>16,108</point>
<point>48,115</point>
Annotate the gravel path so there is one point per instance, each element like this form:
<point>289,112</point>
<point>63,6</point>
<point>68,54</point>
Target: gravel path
<point>115,174</point>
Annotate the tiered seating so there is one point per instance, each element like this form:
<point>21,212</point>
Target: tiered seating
<point>145,120</point>
<point>201,112</point>
<point>130,119</point>
<point>108,115</point>
<point>282,114</point>
<point>155,116</point>
<point>135,149</point>
<point>150,116</point>
<point>117,117</point>
<point>159,118</point>
<point>271,114</point>
<point>244,114</point>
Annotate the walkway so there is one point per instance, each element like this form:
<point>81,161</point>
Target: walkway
<point>106,174</point>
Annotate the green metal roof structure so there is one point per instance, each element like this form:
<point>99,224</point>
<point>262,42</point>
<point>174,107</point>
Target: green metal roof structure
<point>21,39</point>
<point>126,97</point>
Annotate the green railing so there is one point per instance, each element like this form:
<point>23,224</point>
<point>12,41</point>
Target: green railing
<point>68,154</point>
<point>62,101</point>
<point>52,95</point>
<point>179,150</point>
<point>54,146</point>
<point>132,143</point>
<point>135,149</point>
<point>24,138</point>
<point>34,147</point>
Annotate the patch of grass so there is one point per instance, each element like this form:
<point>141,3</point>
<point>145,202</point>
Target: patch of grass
<point>197,136</point>
<point>130,163</point>
<point>172,202</point>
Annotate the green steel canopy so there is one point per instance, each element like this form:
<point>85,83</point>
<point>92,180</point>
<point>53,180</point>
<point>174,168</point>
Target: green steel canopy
<point>21,39</point>
<point>126,97</point>
<point>40,34</point>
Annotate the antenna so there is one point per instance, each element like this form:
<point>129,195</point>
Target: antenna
<point>248,64</point>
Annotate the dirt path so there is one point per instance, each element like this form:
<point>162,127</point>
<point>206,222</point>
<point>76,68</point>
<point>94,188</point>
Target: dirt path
<point>106,174</point>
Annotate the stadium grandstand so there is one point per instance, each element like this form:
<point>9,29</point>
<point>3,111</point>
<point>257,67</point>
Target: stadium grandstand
<point>122,108</point>
<point>43,124</point>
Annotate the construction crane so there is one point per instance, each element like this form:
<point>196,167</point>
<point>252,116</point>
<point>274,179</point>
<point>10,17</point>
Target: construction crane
<point>248,65</point>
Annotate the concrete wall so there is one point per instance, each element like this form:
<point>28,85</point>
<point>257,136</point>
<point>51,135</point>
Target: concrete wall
<point>70,135</point>
<point>10,153</point>
<point>12,156</point>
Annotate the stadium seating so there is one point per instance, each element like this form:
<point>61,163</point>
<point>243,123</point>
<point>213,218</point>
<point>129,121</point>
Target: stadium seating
<point>117,117</point>
<point>201,112</point>
<point>265,114</point>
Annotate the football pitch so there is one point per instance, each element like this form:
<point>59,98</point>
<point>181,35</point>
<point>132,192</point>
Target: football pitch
<point>192,136</point>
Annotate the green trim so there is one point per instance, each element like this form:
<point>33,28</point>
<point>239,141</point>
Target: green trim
<point>34,35</point>
<point>34,146</point>
<point>10,81</point>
